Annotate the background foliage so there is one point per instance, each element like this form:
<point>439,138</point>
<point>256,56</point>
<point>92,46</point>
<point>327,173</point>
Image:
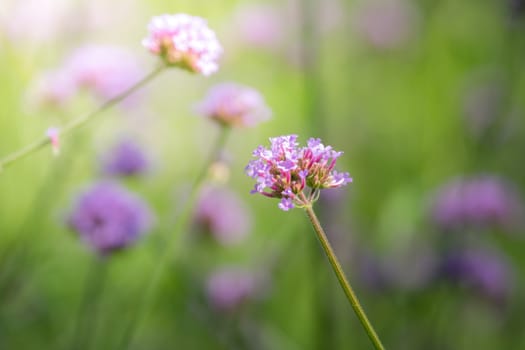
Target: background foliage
<point>405,112</point>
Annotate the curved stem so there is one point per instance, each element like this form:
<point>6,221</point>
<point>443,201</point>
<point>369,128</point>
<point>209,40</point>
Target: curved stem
<point>336,266</point>
<point>174,246</point>
<point>76,123</point>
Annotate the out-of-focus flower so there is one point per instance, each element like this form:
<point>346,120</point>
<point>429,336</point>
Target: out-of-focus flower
<point>54,137</point>
<point>386,24</point>
<point>479,202</point>
<point>279,28</point>
<point>53,89</point>
<point>395,269</point>
<point>221,212</point>
<point>233,104</point>
<point>107,71</point>
<point>184,41</point>
<point>481,271</point>
<point>109,217</point>
<point>126,158</point>
<point>295,174</point>
<point>34,21</point>
<point>260,25</point>
<point>228,288</point>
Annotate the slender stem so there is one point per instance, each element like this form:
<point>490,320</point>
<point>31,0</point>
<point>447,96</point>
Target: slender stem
<point>174,246</point>
<point>336,266</point>
<point>15,256</point>
<point>87,313</point>
<point>78,122</point>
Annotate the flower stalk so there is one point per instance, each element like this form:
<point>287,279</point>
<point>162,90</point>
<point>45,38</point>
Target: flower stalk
<point>343,281</point>
<point>78,122</point>
<point>88,312</point>
<point>174,246</point>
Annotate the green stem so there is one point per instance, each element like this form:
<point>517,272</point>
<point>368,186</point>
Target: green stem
<point>76,123</point>
<point>336,266</point>
<point>87,313</point>
<point>174,246</point>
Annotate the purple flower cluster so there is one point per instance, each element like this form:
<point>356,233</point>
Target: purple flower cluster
<point>223,214</point>
<point>184,41</point>
<point>229,288</point>
<point>106,71</point>
<point>482,201</point>
<point>109,218</point>
<point>125,159</point>
<point>233,104</point>
<point>481,271</point>
<point>287,169</point>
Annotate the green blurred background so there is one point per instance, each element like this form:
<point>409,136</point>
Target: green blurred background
<point>416,93</point>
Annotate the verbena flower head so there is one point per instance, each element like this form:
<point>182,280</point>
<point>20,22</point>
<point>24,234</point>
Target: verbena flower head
<point>125,159</point>
<point>295,174</point>
<point>184,41</point>
<point>221,212</point>
<point>234,104</point>
<point>477,202</point>
<point>108,217</point>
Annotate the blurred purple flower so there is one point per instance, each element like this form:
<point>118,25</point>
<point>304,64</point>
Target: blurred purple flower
<point>106,71</point>
<point>125,159</point>
<point>108,217</point>
<point>287,170</point>
<point>229,288</point>
<point>395,269</point>
<point>34,20</point>
<point>479,202</point>
<point>260,25</point>
<point>223,214</point>
<point>233,104</point>
<point>184,41</point>
<point>53,89</point>
<point>387,24</point>
<point>481,271</point>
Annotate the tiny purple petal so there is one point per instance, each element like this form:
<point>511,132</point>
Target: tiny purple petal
<point>286,204</point>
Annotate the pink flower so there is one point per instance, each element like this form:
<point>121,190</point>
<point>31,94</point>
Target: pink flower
<point>184,41</point>
<point>261,25</point>
<point>233,104</point>
<point>53,89</point>
<point>295,174</point>
<point>105,70</point>
<point>53,135</point>
<point>220,211</point>
<point>387,25</point>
